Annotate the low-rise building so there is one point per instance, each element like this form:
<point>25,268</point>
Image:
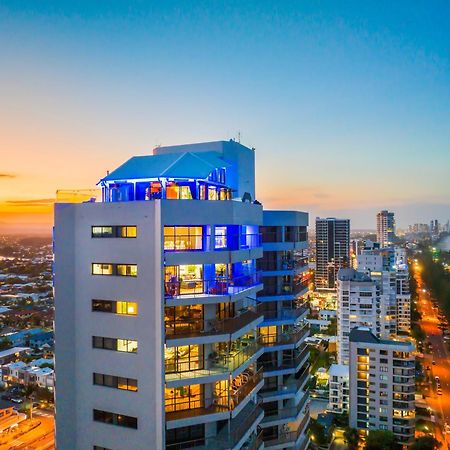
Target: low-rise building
<point>339,388</point>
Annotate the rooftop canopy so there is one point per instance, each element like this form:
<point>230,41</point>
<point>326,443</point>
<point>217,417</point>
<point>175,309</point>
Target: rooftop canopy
<point>185,165</point>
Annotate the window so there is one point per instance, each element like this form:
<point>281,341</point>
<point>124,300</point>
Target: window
<point>126,384</point>
<point>114,419</point>
<point>118,345</point>
<point>184,358</point>
<point>102,269</point>
<point>124,270</point>
<point>113,231</point>
<point>115,307</point>
<point>183,238</point>
<point>127,270</point>
<point>184,397</point>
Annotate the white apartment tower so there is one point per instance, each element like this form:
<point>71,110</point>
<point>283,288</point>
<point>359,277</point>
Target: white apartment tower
<point>332,250</point>
<point>339,393</point>
<point>385,228</point>
<point>157,323</point>
<point>382,385</point>
<point>358,305</point>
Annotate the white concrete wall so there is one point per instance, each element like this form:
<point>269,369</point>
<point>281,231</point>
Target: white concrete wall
<point>75,324</point>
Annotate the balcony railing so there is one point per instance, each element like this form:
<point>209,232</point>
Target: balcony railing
<point>290,337</point>
<point>284,264</point>
<point>220,402</point>
<point>202,242</point>
<point>200,327</point>
<point>216,363</point>
<point>285,413</point>
<point>285,289</point>
<point>292,385</point>
<point>287,436</point>
<point>290,236</point>
<point>216,286</point>
<point>282,313</point>
<point>287,362</point>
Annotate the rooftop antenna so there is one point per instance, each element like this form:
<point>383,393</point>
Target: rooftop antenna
<point>239,137</point>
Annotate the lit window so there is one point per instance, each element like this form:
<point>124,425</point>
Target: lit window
<point>102,269</point>
<point>127,270</point>
<point>127,345</point>
<point>128,231</point>
<point>212,193</point>
<point>129,308</point>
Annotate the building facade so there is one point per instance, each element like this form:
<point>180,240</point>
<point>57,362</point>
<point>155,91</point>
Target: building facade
<point>284,268</point>
<point>339,392</point>
<point>158,330</point>
<point>359,304</point>
<point>382,385</point>
<point>385,228</point>
<point>332,251</point>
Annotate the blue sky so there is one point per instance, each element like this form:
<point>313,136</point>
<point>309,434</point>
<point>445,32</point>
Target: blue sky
<point>346,103</point>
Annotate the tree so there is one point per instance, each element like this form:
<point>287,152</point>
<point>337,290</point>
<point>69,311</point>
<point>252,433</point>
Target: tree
<point>380,440</point>
<point>426,443</point>
<point>317,432</point>
<point>352,438</point>
<point>5,343</point>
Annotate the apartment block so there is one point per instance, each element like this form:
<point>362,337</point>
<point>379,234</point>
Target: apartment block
<point>385,228</point>
<point>359,304</point>
<point>332,251</point>
<point>382,385</point>
<point>161,328</point>
<point>284,270</point>
<point>339,385</point>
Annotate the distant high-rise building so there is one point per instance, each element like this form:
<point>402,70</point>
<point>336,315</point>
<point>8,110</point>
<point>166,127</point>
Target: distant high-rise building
<point>382,385</point>
<point>385,228</point>
<point>332,250</point>
<point>358,305</point>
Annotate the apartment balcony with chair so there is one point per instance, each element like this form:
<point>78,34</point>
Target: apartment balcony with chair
<point>218,365</point>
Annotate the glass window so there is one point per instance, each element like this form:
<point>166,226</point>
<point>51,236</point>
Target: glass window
<point>184,397</point>
<point>102,269</point>
<point>185,193</point>
<point>128,231</point>
<point>172,191</point>
<point>183,358</point>
<point>127,345</point>
<point>220,237</point>
<point>103,306</point>
<point>129,308</point>
<point>101,231</point>
<point>183,238</point>
<point>127,270</point>
<point>212,193</point>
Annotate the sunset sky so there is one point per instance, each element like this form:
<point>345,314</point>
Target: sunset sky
<point>347,103</point>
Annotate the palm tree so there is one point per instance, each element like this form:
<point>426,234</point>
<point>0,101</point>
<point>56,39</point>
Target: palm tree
<point>30,390</point>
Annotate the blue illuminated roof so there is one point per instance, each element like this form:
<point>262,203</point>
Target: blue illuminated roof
<point>170,165</point>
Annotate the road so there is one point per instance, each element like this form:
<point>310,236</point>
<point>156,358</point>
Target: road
<point>429,324</point>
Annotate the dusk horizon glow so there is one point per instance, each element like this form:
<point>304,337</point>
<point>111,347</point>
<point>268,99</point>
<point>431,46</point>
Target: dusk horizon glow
<point>348,108</point>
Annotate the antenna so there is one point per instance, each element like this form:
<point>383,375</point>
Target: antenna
<point>239,137</point>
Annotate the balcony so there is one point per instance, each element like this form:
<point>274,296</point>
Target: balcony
<point>226,402</point>
<point>217,287</point>
<point>288,390</point>
<point>283,314</point>
<point>287,365</point>
<point>288,291</point>
<point>229,329</point>
<point>288,438</point>
<point>218,365</point>
<point>278,416</point>
<point>290,338</point>
<point>285,265</point>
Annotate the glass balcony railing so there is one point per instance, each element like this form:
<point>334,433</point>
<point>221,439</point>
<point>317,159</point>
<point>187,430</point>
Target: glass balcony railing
<point>290,386</point>
<point>199,327</point>
<point>215,364</point>
<point>222,401</point>
<point>283,264</point>
<point>286,363</point>
<point>289,337</point>
<point>283,313</point>
<point>285,289</point>
<point>216,286</point>
<point>285,413</point>
<point>286,437</point>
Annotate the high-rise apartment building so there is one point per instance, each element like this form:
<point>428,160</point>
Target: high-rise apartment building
<point>382,385</point>
<point>332,250</point>
<point>403,297</point>
<point>339,393</point>
<point>359,304</point>
<point>284,268</point>
<point>385,228</point>
<point>158,329</point>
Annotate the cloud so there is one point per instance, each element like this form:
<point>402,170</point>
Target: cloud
<point>321,195</point>
<point>32,202</point>
<point>7,175</point>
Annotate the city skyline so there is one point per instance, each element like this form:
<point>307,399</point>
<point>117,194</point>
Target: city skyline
<point>323,94</point>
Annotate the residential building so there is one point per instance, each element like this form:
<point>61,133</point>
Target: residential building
<point>284,268</point>
<point>382,385</point>
<point>332,251</point>
<point>12,354</point>
<point>22,373</point>
<point>359,304</point>
<point>339,388</point>
<point>385,228</point>
<point>403,297</point>
<point>157,323</point>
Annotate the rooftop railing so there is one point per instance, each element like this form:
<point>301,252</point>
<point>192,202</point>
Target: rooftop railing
<point>78,195</point>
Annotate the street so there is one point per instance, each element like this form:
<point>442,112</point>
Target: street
<point>429,323</point>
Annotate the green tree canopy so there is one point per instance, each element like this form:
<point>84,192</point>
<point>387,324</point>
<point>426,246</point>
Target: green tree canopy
<point>380,440</point>
<point>425,443</point>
